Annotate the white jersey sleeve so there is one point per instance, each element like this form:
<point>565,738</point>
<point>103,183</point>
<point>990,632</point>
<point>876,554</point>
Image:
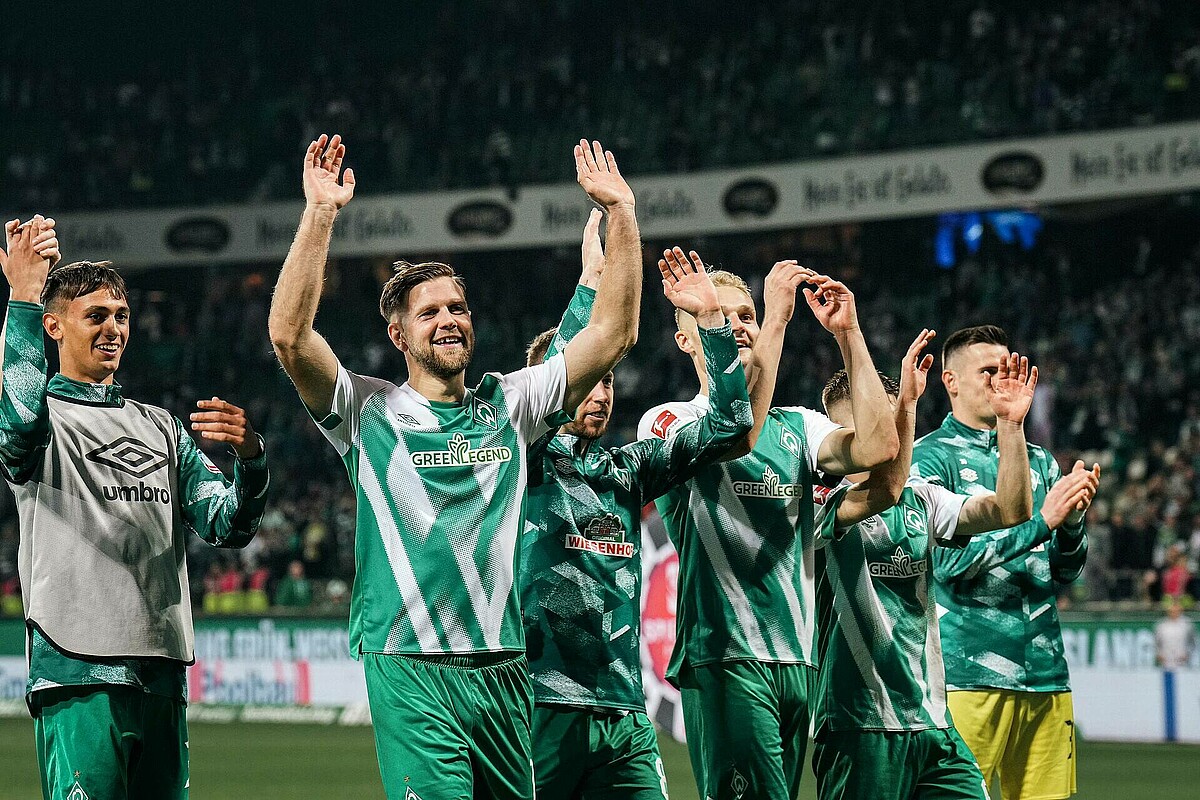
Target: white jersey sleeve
<point>535,396</point>
<point>817,428</point>
<point>666,420</point>
<point>942,505</point>
<point>350,393</point>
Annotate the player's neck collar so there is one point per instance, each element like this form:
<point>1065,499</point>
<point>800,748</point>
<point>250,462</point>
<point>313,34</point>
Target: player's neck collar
<point>92,394</point>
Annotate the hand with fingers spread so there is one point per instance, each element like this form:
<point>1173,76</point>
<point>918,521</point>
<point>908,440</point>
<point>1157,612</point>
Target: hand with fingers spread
<point>779,290</point>
<point>1072,494</point>
<point>322,167</point>
<point>593,250</point>
<point>832,304</point>
<point>596,171</point>
<point>1012,388</point>
<point>687,286</point>
<point>914,369</point>
<point>32,250</point>
<point>221,421</point>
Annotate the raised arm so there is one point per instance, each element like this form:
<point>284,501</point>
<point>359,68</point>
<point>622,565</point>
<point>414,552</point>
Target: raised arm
<point>882,489</point>
<point>305,355</point>
<point>24,415</point>
<point>873,441</point>
<point>1011,396</point>
<point>224,513</point>
<point>612,330</point>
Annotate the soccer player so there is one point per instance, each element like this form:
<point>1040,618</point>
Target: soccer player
<point>440,475</point>
<point>1009,691</point>
<point>107,489</point>
<point>744,657</point>
<point>882,729</point>
<point>581,561</point>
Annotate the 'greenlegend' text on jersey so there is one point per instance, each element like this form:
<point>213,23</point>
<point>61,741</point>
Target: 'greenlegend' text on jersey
<point>743,529</point>
<point>881,659</point>
<point>441,502</point>
<point>996,594</point>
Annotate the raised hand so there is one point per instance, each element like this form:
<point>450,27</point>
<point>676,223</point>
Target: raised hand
<point>779,290</point>
<point>596,171</point>
<point>220,421</point>
<point>914,369</point>
<point>593,250</point>
<point>1012,388</point>
<point>832,304</point>
<point>32,250</point>
<point>322,166</point>
<point>687,286</point>
<point>1071,495</point>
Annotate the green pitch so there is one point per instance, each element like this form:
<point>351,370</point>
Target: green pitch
<point>289,761</point>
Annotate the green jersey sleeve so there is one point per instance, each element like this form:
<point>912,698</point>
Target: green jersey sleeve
<point>575,319</point>
<point>24,414</point>
<point>223,513</point>
<point>1068,546</point>
<point>663,464</point>
<point>981,553</point>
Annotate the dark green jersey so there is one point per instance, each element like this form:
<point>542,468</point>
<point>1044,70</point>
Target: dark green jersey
<point>581,553</point>
<point>995,595</point>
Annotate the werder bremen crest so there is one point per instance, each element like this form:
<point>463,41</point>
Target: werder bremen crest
<point>602,535</point>
<point>458,453</point>
<point>77,793</point>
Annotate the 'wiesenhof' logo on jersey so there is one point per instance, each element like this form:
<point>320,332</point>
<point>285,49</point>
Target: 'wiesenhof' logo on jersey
<point>604,536</point>
<point>771,486</point>
<point>901,566</point>
<point>458,453</point>
<point>131,456</point>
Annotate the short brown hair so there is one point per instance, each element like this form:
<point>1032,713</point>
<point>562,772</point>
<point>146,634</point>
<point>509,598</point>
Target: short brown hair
<point>409,276</point>
<point>536,352</point>
<point>69,281</point>
<point>837,389</point>
<point>720,278</point>
<point>965,337</point>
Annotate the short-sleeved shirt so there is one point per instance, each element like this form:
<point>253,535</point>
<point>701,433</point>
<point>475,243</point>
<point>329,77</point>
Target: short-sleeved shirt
<point>881,659</point>
<point>441,504</point>
<point>744,529</point>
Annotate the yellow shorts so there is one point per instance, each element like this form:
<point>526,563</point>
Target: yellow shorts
<point>1026,738</point>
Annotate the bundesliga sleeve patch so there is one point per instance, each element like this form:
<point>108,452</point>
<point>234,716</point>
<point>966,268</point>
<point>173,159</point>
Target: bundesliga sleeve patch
<point>663,422</point>
<point>209,465</point>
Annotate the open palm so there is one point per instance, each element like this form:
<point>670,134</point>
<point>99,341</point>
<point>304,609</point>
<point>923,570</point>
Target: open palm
<point>1012,388</point>
<point>322,167</point>
<point>686,283</point>
<point>596,170</point>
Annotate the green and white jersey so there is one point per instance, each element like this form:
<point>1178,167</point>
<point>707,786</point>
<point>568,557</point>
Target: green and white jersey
<point>441,503</point>
<point>744,529</point>
<point>996,594</point>
<point>881,655</point>
<point>582,552</point>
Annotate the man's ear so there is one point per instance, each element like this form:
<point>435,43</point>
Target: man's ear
<point>396,334</point>
<point>684,343</point>
<point>950,381</point>
<point>52,326</point>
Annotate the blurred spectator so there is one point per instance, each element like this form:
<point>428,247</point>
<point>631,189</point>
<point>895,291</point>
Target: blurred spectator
<point>294,591</point>
<point>1174,638</point>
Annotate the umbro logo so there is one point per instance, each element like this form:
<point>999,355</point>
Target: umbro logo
<point>129,455</point>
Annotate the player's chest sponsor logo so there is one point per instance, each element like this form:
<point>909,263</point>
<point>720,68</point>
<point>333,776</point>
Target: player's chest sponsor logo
<point>458,453</point>
<point>136,458</point>
<point>770,486</point>
<point>604,536</point>
<point>485,414</point>
<point>901,565</point>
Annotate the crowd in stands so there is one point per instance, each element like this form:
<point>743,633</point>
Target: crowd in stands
<point>1110,313</point>
<point>446,95</point>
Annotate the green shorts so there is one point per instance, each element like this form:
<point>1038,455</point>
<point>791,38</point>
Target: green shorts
<point>596,754</point>
<point>747,727</point>
<point>104,741</point>
<point>896,765</point>
<point>452,726</point>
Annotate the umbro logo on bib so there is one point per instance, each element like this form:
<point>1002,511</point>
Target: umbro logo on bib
<point>458,453</point>
<point>131,456</point>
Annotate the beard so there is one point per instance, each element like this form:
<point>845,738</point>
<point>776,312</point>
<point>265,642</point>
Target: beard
<point>444,365</point>
<point>586,428</point>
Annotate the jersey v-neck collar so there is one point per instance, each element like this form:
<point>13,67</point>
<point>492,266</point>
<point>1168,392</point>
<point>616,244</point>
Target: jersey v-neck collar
<point>107,395</point>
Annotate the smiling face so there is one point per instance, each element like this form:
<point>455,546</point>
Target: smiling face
<point>91,331</point>
<point>434,329</point>
<point>738,309</point>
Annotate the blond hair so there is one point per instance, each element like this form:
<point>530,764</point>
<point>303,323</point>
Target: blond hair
<point>720,278</point>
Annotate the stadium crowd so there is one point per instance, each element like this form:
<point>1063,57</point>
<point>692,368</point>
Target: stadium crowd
<point>201,114</point>
<point>1120,367</point>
